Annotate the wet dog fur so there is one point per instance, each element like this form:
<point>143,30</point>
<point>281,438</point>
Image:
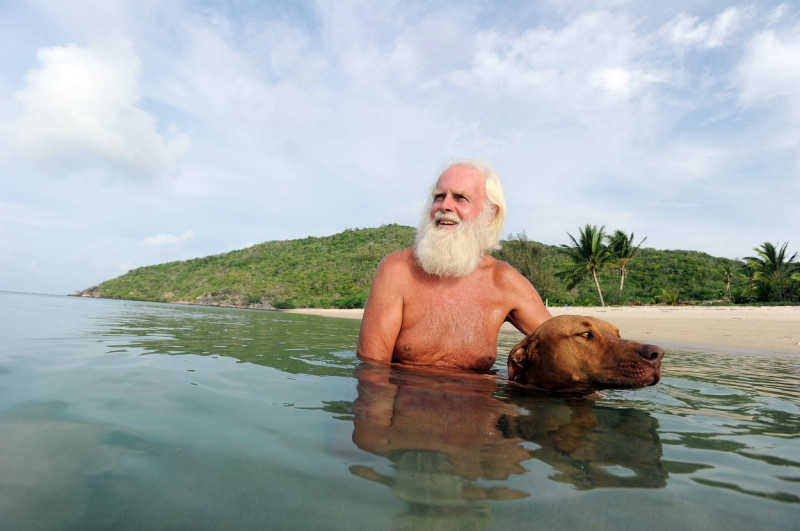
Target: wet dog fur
<point>580,355</point>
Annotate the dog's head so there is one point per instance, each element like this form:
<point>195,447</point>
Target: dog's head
<point>574,354</point>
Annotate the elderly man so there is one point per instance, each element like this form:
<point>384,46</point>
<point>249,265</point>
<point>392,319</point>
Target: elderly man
<point>442,303</point>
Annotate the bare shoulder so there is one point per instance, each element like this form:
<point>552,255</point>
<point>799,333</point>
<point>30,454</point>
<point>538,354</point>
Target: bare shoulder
<point>526,309</point>
<point>394,271</point>
<point>398,257</point>
<point>507,277</point>
<point>397,262</point>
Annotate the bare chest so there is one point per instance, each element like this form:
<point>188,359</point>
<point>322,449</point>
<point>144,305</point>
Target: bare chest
<point>455,325</point>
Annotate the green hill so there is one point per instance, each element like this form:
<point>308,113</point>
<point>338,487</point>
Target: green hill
<point>336,271</point>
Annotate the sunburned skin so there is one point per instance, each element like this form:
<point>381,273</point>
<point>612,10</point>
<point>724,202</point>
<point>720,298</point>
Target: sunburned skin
<point>442,304</point>
<point>453,321</point>
<point>461,334</point>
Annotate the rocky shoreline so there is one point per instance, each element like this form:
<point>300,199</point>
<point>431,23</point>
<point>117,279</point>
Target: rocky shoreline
<point>221,299</point>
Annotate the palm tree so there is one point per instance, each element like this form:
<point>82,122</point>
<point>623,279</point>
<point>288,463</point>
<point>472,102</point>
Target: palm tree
<point>729,271</point>
<point>773,272</point>
<point>622,251</point>
<point>588,254</point>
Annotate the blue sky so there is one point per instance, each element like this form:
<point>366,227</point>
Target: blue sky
<point>140,132</point>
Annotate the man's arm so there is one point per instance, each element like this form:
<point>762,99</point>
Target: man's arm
<point>528,310</point>
<point>383,313</point>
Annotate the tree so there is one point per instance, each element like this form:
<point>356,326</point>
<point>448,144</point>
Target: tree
<point>517,251</point>
<point>622,251</point>
<point>532,259</point>
<point>773,272</point>
<point>729,271</point>
<point>588,254</point>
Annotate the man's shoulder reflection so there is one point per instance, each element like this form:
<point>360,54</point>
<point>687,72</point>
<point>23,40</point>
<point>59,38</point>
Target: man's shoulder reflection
<point>454,413</point>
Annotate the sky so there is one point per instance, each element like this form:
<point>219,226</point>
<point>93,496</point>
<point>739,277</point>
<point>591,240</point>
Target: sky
<point>140,132</point>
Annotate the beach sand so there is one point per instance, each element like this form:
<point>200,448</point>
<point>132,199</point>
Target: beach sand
<point>745,329</point>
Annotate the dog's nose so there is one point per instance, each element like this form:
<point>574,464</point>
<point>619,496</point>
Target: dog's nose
<point>651,352</point>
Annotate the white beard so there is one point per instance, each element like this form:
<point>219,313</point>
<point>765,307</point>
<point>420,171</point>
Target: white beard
<point>453,252</point>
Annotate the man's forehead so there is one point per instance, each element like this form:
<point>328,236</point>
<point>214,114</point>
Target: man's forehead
<point>461,178</point>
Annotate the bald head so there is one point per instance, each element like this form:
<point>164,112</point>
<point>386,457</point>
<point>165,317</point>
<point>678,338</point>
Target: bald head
<point>483,184</point>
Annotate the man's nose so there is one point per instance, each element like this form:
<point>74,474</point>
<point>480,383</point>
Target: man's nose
<point>447,204</point>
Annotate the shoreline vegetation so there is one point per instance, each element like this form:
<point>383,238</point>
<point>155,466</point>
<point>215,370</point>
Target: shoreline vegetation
<point>336,272</point>
<point>662,296</point>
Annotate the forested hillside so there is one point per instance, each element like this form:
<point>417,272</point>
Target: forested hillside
<point>654,276</point>
<point>336,271</point>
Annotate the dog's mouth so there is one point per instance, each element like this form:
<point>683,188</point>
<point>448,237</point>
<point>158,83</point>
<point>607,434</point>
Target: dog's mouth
<point>631,381</point>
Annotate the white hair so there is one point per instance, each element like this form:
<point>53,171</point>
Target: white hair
<point>457,252</point>
<point>494,196</point>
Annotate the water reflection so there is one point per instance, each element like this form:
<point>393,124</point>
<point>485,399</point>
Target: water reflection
<point>439,431</point>
<point>449,436</point>
<point>295,344</point>
<point>588,445</point>
<point>717,406</point>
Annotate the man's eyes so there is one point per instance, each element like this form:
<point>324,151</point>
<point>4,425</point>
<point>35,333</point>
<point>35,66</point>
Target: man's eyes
<point>458,197</point>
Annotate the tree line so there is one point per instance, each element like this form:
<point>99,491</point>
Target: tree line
<point>772,275</point>
<point>336,272</point>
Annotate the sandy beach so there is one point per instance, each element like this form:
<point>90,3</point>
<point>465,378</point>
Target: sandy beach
<point>766,329</point>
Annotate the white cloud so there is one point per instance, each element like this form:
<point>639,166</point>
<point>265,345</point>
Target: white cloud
<point>616,80</point>
<point>80,110</point>
<point>565,68</point>
<point>686,30</point>
<point>776,15</point>
<point>770,69</point>
<point>768,80</point>
<point>160,242</point>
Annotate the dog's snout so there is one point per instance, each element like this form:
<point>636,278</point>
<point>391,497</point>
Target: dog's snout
<point>651,352</point>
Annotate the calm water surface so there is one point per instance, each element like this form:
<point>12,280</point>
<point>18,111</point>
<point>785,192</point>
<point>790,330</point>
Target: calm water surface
<point>129,415</point>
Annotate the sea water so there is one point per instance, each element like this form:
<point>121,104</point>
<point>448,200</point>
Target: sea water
<point>128,415</point>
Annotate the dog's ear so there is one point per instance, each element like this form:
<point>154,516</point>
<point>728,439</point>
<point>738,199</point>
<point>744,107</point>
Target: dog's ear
<point>521,357</point>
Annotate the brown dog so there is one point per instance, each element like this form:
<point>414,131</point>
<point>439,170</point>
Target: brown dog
<point>574,354</point>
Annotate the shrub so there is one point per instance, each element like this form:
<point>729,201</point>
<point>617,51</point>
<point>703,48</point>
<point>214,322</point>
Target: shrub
<point>281,304</point>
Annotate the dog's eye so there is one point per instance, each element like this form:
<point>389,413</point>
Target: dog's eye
<point>587,335</point>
